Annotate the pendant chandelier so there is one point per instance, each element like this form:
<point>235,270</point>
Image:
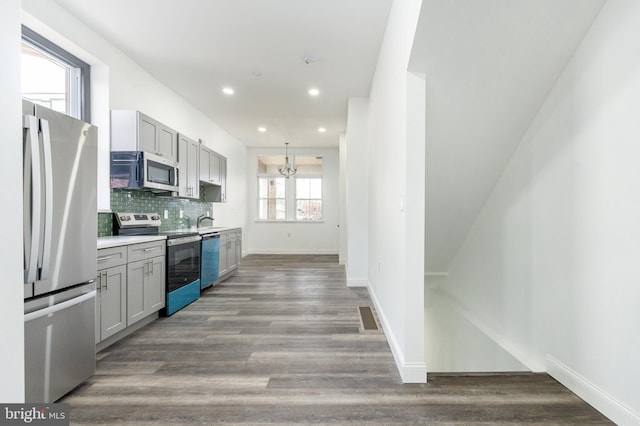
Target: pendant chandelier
<point>288,169</point>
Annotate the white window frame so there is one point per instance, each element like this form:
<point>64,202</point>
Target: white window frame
<point>80,73</point>
<point>295,198</point>
<point>286,207</point>
<point>290,192</point>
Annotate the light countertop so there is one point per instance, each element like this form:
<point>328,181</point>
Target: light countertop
<point>211,229</point>
<point>123,240</point>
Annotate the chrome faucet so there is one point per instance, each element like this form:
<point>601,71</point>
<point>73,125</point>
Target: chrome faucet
<point>204,217</point>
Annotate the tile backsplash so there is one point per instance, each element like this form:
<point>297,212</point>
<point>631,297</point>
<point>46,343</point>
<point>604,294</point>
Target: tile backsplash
<point>135,201</point>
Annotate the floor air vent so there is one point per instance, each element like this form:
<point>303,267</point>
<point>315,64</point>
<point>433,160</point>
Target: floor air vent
<point>367,319</point>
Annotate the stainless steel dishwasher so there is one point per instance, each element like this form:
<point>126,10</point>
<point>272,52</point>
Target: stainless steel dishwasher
<point>209,259</point>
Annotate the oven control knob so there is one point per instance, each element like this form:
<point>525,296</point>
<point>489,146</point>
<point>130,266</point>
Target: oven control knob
<point>125,218</point>
<point>155,217</point>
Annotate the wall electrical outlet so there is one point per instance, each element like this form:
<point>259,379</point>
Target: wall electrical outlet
<point>181,214</point>
<point>166,214</point>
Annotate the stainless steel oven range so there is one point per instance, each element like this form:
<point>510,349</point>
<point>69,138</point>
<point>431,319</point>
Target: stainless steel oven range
<point>183,256</point>
<point>183,269</point>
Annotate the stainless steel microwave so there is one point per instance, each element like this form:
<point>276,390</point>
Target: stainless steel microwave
<point>143,170</point>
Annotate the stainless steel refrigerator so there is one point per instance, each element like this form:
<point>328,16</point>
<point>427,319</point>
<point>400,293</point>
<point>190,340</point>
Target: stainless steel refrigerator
<point>60,228</point>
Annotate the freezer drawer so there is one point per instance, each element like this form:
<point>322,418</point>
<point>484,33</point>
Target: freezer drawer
<point>59,343</point>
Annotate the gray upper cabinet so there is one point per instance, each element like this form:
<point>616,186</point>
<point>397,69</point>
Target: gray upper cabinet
<point>209,166</point>
<point>189,167</point>
<point>213,173</point>
<point>134,131</point>
<point>223,179</point>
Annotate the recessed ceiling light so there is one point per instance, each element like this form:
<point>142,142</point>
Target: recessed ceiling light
<point>314,92</point>
<point>228,91</point>
<point>322,129</point>
<point>262,129</point>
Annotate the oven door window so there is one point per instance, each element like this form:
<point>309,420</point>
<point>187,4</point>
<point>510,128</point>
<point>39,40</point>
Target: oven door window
<point>160,173</point>
<point>183,265</point>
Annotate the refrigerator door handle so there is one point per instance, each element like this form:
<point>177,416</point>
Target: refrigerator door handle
<point>48,199</point>
<point>59,307</point>
<point>32,198</point>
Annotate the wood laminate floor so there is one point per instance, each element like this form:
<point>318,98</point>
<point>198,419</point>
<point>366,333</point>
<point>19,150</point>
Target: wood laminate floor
<point>280,343</point>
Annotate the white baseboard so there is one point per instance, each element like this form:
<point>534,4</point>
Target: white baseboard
<point>294,251</point>
<point>491,333</point>
<point>615,410</point>
<point>357,282</point>
<point>409,372</point>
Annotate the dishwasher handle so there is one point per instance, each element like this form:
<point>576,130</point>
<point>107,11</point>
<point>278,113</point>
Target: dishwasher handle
<point>59,307</point>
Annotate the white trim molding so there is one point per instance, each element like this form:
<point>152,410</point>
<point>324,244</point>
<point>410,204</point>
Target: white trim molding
<point>296,251</point>
<point>357,282</point>
<point>615,410</point>
<point>409,372</point>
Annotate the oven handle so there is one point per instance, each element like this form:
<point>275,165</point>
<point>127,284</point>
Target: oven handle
<point>183,240</point>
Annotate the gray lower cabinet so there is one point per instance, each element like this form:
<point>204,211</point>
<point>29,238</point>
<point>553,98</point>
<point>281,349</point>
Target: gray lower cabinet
<point>145,280</point>
<point>230,251</point>
<point>223,268</point>
<point>111,292</point>
<point>238,246</point>
<point>130,287</point>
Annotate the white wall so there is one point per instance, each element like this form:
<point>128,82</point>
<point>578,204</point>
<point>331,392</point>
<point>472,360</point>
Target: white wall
<point>551,264</point>
<point>119,83</point>
<point>395,276</point>
<point>357,195</point>
<point>11,289</point>
<point>342,190</point>
<point>290,237</point>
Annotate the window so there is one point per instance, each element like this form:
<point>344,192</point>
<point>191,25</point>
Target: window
<point>53,77</point>
<point>298,198</point>
<point>308,198</point>
<point>271,196</point>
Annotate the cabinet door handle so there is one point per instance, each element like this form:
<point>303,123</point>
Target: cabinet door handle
<point>151,267</point>
<point>149,249</point>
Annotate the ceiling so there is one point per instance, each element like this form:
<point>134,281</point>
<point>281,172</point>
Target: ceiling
<point>256,47</point>
<point>489,66</point>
